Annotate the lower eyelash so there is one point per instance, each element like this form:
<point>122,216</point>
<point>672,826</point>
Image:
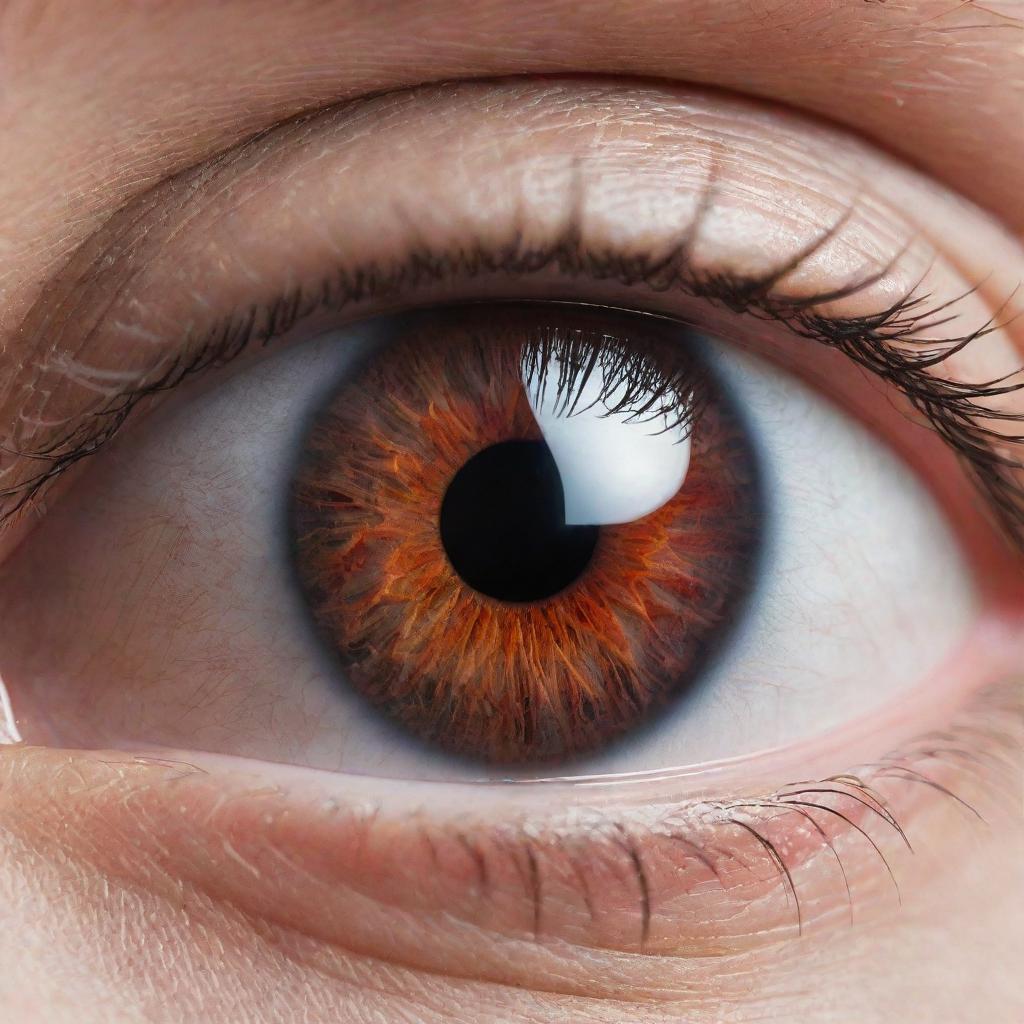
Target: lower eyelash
<point>759,842</point>
<point>665,876</point>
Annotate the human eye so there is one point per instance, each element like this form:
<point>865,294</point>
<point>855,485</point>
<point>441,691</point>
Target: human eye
<point>338,468</point>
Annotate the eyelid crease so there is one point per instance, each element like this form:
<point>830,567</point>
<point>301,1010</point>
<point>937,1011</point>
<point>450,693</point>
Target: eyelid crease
<point>886,342</point>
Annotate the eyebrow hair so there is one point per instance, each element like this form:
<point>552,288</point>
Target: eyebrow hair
<point>887,342</point>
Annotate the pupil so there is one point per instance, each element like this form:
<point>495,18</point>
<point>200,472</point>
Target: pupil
<point>503,524</point>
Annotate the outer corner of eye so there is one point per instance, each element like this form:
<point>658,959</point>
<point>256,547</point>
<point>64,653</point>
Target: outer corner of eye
<point>486,541</point>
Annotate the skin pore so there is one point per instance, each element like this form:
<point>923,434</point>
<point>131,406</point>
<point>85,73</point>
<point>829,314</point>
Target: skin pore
<point>158,162</point>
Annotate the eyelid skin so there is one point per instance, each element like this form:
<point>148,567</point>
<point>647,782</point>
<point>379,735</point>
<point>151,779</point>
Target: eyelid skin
<point>662,885</point>
<point>935,80</point>
<point>730,184</point>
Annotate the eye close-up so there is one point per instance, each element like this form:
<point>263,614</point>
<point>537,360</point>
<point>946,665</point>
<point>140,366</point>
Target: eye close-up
<point>512,514</point>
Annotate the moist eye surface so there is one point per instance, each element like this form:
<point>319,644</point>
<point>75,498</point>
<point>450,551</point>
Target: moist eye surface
<point>261,633</point>
<point>522,533</point>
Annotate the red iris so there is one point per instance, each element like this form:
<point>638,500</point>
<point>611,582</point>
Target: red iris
<point>624,620</point>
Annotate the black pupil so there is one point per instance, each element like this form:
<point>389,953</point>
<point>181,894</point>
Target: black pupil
<point>503,524</point>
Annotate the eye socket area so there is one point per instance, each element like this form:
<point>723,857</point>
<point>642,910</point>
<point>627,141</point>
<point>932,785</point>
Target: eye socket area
<point>598,250</point>
<point>162,544</point>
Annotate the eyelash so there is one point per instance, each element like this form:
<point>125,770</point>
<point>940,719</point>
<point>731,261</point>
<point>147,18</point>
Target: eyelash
<point>956,411</point>
<point>644,387</point>
<point>711,833</point>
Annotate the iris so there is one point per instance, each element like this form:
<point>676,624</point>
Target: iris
<point>522,533</point>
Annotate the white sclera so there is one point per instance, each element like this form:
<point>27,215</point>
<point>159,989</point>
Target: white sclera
<point>614,468</point>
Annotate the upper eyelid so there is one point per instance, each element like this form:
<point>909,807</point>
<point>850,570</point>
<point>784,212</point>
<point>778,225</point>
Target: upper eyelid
<point>172,214</point>
<point>166,209</point>
<point>260,326</point>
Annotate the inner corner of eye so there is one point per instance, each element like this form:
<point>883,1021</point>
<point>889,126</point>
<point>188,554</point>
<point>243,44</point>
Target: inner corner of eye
<point>523,533</point>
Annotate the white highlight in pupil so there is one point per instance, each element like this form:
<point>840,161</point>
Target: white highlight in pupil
<point>613,470</point>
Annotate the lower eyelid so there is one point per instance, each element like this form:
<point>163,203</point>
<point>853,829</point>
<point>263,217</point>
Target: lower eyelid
<point>700,877</point>
<point>621,869</point>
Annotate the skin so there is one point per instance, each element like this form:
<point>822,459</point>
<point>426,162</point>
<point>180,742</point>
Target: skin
<point>189,887</point>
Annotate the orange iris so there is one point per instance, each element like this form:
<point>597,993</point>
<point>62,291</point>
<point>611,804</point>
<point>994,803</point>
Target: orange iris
<point>511,683</point>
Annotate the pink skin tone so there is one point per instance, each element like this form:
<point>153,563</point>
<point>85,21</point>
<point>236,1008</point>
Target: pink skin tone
<point>172,885</point>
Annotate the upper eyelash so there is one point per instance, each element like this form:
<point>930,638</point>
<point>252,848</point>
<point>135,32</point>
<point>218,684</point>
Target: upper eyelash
<point>639,385</point>
<point>883,342</point>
